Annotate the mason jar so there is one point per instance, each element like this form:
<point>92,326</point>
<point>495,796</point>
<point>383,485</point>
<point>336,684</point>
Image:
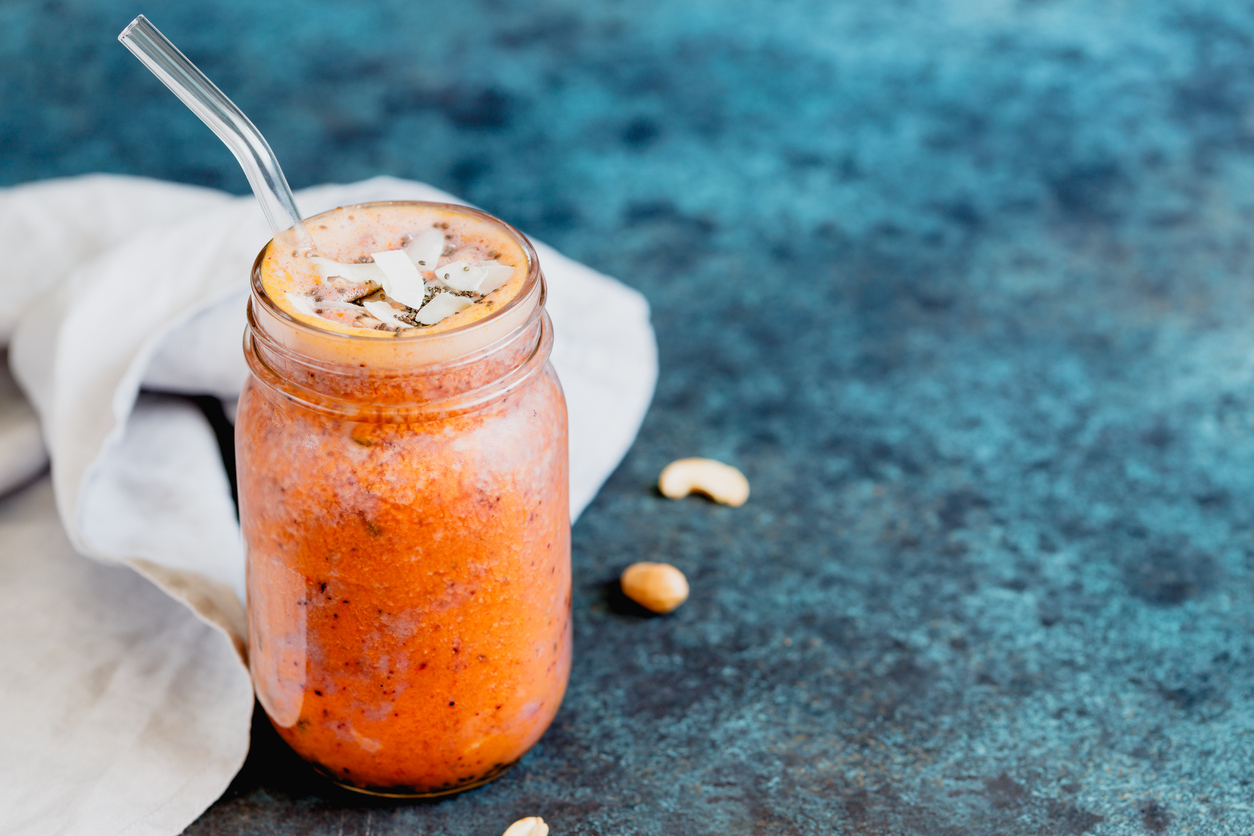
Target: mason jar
<point>404,506</point>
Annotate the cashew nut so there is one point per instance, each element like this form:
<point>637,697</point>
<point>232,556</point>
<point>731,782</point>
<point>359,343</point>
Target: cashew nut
<point>656,586</point>
<point>720,482</point>
<point>531,826</point>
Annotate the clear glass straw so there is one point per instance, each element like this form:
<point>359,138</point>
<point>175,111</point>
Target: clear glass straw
<point>226,120</point>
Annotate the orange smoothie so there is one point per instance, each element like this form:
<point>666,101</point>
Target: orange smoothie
<point>404,499</point>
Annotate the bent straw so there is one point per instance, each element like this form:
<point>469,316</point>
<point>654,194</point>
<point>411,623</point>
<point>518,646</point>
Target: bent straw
<point>226,120</point>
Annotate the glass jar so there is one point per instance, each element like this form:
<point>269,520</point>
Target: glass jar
<point>404,506</point>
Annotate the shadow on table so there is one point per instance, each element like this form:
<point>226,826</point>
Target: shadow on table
<point>618,602</point>
<point>274,768</point>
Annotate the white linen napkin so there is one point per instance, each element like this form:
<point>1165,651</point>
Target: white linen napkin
<point>125,715</point>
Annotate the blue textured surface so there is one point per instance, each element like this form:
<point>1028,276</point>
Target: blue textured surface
<point>962,286</point>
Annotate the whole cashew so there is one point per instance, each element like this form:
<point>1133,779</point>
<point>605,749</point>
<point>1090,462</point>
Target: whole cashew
<point>656,586</point>
<point>531,826</point>
<point>720,482</point>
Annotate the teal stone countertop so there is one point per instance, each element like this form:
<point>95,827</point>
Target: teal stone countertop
<point>966,288</point>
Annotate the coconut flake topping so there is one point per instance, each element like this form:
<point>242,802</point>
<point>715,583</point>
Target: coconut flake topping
<point>356,272</point>
<point>441,306</point>
<point>310,307</point>
<point>425,249</point>
<point>409,276</point>
<point>402,281</point>
<point>477,278</point>
<point>385,313</point>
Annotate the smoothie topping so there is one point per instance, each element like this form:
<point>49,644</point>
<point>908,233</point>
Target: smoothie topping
<point>357,272</point>
<point>317,307</point>
<point>440,306</point>
<point>479,278</point>
<point>401,279</point>
<point>385,313</point>
<point>404,288</point>
<point>425,249</point>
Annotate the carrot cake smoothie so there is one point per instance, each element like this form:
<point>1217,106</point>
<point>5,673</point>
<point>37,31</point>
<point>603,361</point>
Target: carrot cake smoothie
<point>402,456</point>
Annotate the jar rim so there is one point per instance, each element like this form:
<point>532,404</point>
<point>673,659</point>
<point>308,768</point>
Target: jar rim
<point>413,336</point>
<point>476,397</point>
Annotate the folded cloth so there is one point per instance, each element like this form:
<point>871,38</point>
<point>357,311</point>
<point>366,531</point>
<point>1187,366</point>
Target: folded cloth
<point>118,293</point>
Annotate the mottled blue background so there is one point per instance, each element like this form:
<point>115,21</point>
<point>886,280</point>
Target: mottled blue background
<point>963,286</point>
